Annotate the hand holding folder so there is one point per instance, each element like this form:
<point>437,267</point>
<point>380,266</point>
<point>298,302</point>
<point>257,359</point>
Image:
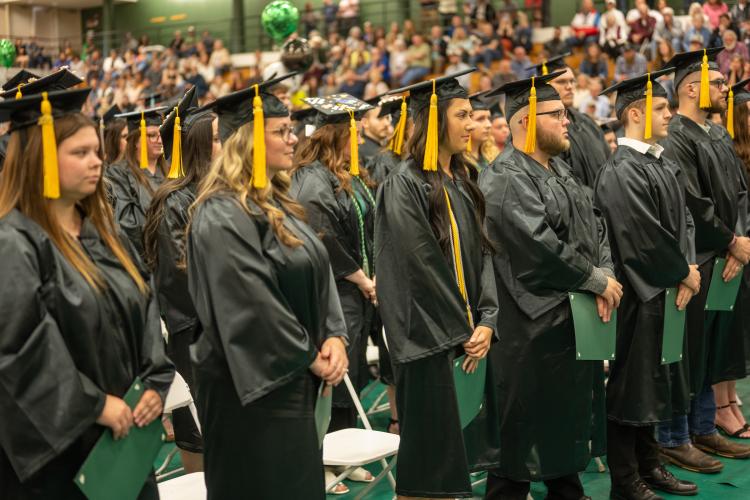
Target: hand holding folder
<point>722,294</point>
<point>469,389</point>
<point>595,339</point>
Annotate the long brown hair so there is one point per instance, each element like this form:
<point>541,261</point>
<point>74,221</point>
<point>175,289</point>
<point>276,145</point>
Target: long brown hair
<point>439,219</point>
<point>112,133</point>
<point>132,158</point>
<point>231,173</point>
<point>742,134</point>
<point>196,161</point>
<point>327,145</point>
<point>21,187</point>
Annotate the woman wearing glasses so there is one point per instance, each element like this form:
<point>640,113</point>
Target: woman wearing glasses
<point>271,322</point>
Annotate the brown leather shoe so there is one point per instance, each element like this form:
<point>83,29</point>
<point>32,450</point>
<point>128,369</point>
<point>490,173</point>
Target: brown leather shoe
<point>690,458</point>
<point>717,444</point>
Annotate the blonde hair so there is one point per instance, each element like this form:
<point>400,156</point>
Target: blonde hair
<point>231,172</point>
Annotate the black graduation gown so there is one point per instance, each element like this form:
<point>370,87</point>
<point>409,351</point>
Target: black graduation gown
<point>652,240</point>
<point>331,213</point>
<point>131,199</point>
<point>381,165</point>
<point>714,195</point>
<point>63,347</point>
<point>265,310</point>
<point>588,149</point>
<point>548,238</point>
<point>368,149</point>
<point>425,323</point>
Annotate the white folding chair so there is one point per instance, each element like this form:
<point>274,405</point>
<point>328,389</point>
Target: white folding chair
<point>178,397</point>
<point>352,448</point>
<point>187,487</point>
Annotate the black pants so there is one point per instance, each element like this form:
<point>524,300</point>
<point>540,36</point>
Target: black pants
<point>631,451</point>
<point>562,488</point>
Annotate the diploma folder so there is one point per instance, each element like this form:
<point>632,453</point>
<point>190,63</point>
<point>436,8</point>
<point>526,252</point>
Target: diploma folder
<point>595,339</point>
<point>674,329</point>
<point>721,294</point>
<point>117,470</point>
<point>323,407</point>
<point>469,389</point>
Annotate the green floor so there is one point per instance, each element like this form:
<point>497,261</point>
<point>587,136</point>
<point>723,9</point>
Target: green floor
<point>733,483</point>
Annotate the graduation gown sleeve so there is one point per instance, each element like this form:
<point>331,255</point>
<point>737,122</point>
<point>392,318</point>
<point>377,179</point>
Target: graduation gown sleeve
<point>37,372</point>
<point>488,305</point>
<point>238,300</point>
<point>128,213</point>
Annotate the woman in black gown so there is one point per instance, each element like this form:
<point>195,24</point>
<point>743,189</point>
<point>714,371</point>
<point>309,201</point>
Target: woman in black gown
<point>266,300</point>
<point>79,320</point>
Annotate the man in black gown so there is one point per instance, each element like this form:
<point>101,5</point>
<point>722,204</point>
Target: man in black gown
<point>375,129</point>
<point>716,197</point>
<point>651,233</point>
<point>549,241</point>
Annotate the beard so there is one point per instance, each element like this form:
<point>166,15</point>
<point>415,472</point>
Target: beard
<point>717,106</point>
<point>552,144</point>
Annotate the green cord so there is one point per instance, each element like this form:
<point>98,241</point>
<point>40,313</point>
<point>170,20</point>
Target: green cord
<point>361,224</point>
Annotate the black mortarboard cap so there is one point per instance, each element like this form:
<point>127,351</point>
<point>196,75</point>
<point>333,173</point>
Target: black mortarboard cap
<point>111,113</point>
<point>550,65</point>
<point>685,63</point>
<point>59,80</point>
<point>22,77</point>
<point>478,103</point>
<point>517,93</point>
<point>634,89</point>
<point>446,87</point>
<point>25,112</point>
<point>151,99</point>
<point>187,105</point>
<point>392,107</point>
<point>335,108</point>
<point>741,94</point>
<point>153,116</point>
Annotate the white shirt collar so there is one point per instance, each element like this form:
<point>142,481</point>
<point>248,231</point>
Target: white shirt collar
<point>654,150</point>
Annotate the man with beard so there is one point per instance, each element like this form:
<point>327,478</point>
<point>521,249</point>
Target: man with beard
<point>641,195</point>
<point>549,241</point>
<point>388,157</point>
<point>376,129</point>
<point>588,149</point>
<point>716,197</point>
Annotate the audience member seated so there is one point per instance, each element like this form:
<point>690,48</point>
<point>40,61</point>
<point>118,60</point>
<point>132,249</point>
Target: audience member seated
<point>594,64</point>
<point>630,64</point>
<point>584,25</point>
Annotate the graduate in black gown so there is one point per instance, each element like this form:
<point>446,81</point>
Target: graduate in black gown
<point>588,149</point>
<point>481,150</point>
<point>550,241</point>
<point>262,286</point>
<point>80,321</point>
<point>717,199</point>
<point>339,200</point>
<point>134,179</point>
<point>114,133</point>
<point>164,243</point>
<point>376,129</point>
<point>388,158</point>
<point>642,197</point>
<point>437,295</point>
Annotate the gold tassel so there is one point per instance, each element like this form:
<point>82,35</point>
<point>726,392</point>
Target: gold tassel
<point>431,144</point>
<point>397,141</point>
<point>730,114</point>
<point>649,106</point>
<point>19,94</point>
<point>705,97</point>
<point>353,145</point>
<point>545,72</point>
<point>259,142</point>
<point>530,145</point>
<point>468,145</point>
<point>49,151</point>
<point>144,142</point>
<point>175,169</point>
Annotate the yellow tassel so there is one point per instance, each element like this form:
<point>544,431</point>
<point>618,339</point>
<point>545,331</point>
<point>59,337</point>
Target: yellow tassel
<point>144,142</point>
<point>19,94</point>
<point>705,97</point>
<point>730,114</point>
<point>431,144</point>
<point>530,145</point>
<point>49,151</point>
<point>397,141</point>
<point>175,169</point>
<point>457,259</point>
<point>468,145</point>
<point>545,72</point>
<point>259,143</point>
<point>649,106</point>
<point>353,145</point>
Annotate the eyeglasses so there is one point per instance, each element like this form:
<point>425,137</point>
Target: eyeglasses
<point>561,114</point>
<point>718,83</point>
<point>284,132</point>
<point>153,137</point>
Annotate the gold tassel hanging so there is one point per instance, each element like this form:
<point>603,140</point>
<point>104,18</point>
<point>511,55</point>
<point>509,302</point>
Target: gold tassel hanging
<point>175,169</point>
<point>397,141</point>
<point>545,71</point>
<point>468,145</point>
<point>49,151</point>
<point>649,106</point>
<point>19,94</point>
<point>431,144</point>
<point>705,97</point>
<point>730,113</point>
<point>259,142</point>
<point>530,145</point>
<point>353,145</point>
<point>144,142</point>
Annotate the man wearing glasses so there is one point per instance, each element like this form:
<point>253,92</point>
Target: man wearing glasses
<point>549,242</point>
<point>716,195</point>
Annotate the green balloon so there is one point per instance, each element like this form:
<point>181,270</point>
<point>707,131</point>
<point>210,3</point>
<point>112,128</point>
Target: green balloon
<point>7,53</point>
<point>280,19</point>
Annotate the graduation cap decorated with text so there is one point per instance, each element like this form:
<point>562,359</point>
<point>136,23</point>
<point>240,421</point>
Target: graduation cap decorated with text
<point>59,80</point>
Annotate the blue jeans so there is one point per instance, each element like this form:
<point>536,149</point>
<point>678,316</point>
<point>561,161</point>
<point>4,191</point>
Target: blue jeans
<point>700,422</point>
<point>487,56</point>
<point>414,74</point>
